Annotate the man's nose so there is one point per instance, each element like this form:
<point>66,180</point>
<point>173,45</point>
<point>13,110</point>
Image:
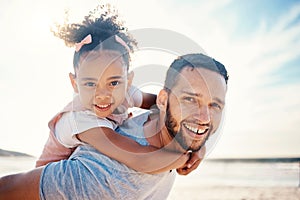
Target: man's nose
<point>203,114</point>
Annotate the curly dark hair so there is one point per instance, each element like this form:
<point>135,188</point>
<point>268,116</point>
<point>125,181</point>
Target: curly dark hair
<point>196,60</point>
<point>103,25</point>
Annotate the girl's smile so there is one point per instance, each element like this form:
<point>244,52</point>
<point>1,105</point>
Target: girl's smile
<point>101,82</point>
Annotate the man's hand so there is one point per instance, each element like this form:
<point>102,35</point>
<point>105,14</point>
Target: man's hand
<point>193,162</point>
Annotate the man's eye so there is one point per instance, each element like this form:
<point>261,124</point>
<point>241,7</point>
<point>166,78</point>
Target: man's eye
<point>189,99</point>
<point>216,105</point>
<point>90,84</point>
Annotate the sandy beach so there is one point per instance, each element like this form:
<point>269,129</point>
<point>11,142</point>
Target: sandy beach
<point>234,193</point>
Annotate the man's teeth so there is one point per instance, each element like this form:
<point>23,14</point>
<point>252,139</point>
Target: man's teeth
<point>195,130</point>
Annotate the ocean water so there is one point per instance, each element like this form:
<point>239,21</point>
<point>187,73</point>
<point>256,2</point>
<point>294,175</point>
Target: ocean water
<point>209,173</point>
<point>10,165</point>
<point>245,174</point>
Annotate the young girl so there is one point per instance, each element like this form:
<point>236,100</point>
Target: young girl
<point>103,86</point>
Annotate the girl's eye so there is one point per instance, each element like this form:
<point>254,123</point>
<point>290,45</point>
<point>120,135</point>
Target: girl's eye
<point>90,84</point>
<point>114,83</point>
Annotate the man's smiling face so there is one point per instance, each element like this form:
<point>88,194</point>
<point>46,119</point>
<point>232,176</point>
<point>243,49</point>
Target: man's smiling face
<point>195,106</point>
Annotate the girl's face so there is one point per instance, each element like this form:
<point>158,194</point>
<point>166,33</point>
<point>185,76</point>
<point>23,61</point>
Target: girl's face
<point>101,82</point>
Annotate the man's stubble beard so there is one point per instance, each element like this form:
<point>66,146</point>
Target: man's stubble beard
<point>171,123</point>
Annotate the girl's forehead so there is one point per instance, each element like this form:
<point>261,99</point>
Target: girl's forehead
<point>101,67</point>
<point>100,57</point>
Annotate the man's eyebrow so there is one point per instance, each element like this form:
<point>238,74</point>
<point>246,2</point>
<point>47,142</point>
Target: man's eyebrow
<point>191,93</point>
<point>219,100</point>
<point>200,95</point>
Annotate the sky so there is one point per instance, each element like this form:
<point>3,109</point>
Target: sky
<point>258,41</point>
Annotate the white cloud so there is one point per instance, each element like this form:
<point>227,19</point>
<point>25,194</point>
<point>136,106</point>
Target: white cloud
<point>265,116</point>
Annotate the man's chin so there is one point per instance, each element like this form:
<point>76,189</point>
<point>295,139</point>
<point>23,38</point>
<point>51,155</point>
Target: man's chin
<point>196,148</point>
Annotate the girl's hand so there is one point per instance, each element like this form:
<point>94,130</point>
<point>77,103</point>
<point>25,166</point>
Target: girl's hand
<point>193,162</point>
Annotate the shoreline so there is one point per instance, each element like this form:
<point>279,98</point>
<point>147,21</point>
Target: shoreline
<point>234,193</point>
<point>7,153</point>
<point>257,160</point>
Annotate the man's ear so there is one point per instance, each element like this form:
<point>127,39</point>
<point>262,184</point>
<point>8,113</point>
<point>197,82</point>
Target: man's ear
<point>129,79</point>
<point>162,100</point>
<point>73,82</point>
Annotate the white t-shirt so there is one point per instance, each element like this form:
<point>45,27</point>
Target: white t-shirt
<point>75,122</point>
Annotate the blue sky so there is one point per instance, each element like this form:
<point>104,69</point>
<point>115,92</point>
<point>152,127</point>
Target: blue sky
<point>257,40</point>
<point>252,13</point>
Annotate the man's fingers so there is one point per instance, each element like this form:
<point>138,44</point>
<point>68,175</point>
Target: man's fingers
<point>182,171</point>
<point>195,165</point>
<point>186,170</point>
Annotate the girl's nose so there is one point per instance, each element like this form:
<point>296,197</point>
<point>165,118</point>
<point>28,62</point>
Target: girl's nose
<point>102,94</point>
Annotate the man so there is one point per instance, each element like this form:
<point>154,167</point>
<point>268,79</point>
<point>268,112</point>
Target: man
<point>191,103</point>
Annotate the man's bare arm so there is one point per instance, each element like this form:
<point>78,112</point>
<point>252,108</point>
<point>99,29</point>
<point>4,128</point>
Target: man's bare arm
<point>21,186</point>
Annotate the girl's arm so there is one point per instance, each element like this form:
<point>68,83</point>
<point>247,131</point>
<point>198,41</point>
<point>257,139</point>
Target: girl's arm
<point>140,99</point>
<point>147,159</point>
<point>148,100</point>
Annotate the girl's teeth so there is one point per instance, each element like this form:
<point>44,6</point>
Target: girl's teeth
<point>103,106</point>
